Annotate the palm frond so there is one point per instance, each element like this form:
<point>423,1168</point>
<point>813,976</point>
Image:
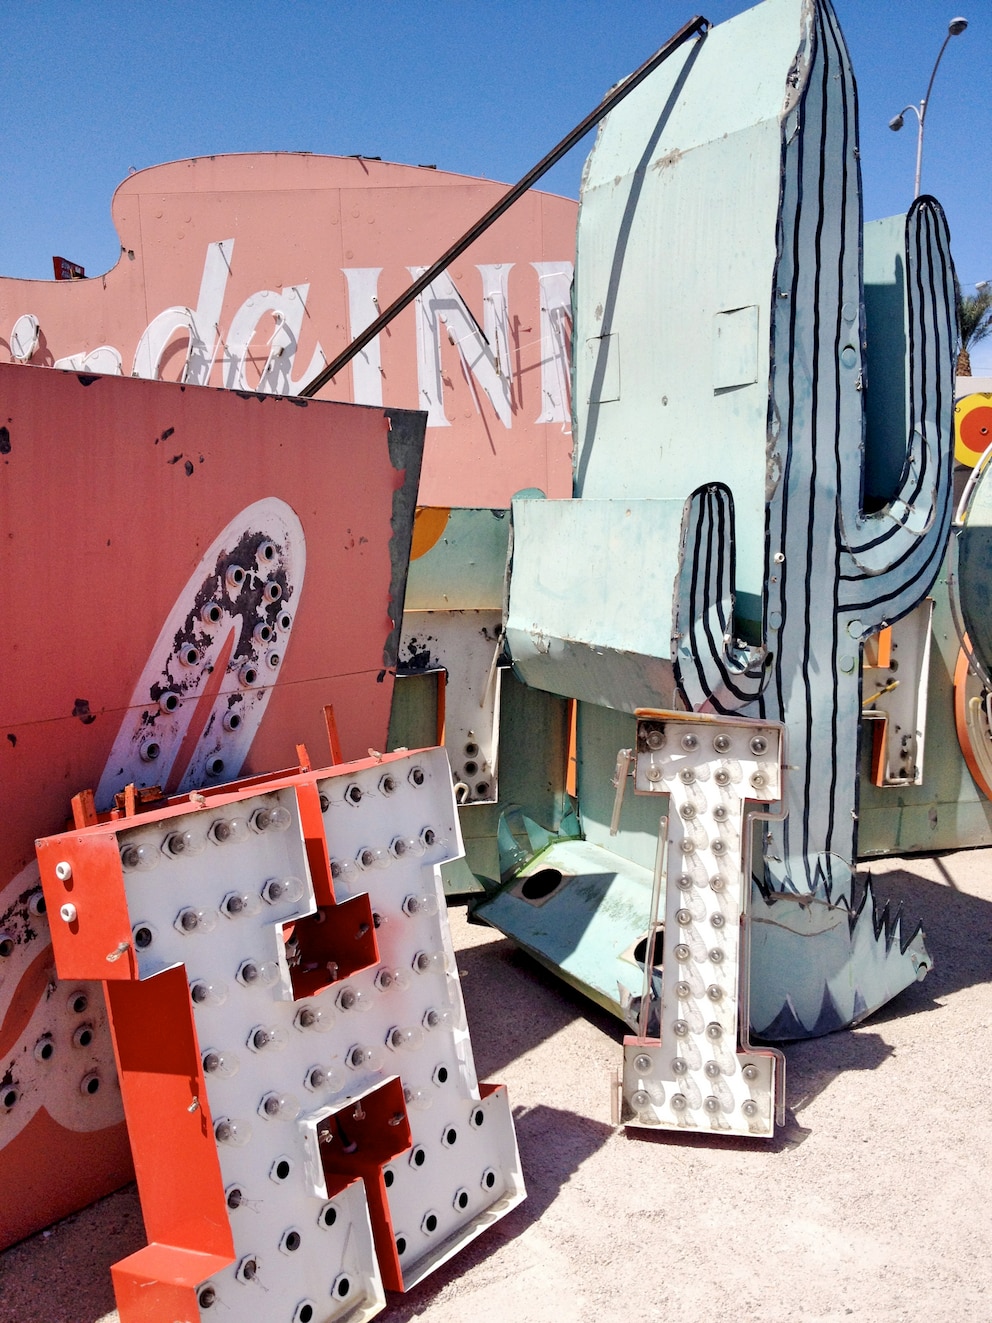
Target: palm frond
<point>975,317</point>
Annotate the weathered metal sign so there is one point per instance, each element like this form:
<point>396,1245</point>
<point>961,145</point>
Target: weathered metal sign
<point>295,1062</point>
<point>725,332</point>
<point>203,571</point>
<point>252,271</point>
<point>66,270</point>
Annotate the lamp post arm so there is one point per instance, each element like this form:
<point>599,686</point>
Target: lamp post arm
<point>922,113</point>
<point>940,53</point>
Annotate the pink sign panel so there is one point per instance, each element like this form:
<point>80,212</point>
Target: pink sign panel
<point>199,573</point>
<point>253,271</point>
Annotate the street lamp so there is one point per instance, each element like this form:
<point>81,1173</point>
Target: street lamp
<point>954,29</point>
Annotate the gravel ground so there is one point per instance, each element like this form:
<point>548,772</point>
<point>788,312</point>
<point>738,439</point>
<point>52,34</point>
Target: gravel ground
<point>870,1204</point>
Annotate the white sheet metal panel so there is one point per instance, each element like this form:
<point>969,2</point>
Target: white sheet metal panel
<point>676,240</point>
<point>579,622</point>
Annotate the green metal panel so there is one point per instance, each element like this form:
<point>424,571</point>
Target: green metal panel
<point>579,622</point>
<point>886,429</point>
<point>534,753</point>
<point>587,928</point>
<point>413,717</point>
<point>479,868</point>
<point>465,569</point>
<point>601,734</point>
<point>660,249</point>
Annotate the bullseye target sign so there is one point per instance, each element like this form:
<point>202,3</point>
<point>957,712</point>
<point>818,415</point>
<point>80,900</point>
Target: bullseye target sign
<point>972,428</point>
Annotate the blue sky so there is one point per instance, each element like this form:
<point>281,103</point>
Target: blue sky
<point>94,89</point>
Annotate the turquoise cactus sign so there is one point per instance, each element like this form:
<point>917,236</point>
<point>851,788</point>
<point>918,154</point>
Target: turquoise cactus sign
<point>722,364</point>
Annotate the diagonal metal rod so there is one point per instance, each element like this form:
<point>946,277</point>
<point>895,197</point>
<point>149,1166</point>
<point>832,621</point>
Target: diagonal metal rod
<point>697,26</point>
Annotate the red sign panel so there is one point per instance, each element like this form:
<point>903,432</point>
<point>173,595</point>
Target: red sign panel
<point>200,572</point>
<point>66,270</point>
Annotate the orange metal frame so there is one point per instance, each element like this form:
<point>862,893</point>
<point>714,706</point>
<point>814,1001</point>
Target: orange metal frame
<point>158,1056</point>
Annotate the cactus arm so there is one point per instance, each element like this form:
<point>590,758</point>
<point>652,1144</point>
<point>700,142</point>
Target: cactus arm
<point>888,560</point>
<point>714,672</point>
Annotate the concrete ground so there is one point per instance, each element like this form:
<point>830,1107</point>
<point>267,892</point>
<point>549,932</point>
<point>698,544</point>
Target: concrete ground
<point>871,1204</point>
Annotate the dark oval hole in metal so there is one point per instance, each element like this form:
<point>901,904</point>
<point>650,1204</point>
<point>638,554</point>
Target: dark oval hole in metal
<point>540,884</point>
<point>640,950</point>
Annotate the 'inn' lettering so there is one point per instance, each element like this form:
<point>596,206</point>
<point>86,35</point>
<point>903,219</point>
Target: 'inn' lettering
<point>265,334</point>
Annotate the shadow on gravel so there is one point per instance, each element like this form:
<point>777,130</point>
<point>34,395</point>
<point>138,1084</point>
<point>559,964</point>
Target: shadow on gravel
<point>514,1004</point>
<point>553,1145</point>
<point>812,1066</point>
<point>958,928</point>
<point>62,1275</point>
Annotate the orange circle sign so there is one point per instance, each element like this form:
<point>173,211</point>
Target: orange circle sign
<point>972,428</point>
<point>429,522</point>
